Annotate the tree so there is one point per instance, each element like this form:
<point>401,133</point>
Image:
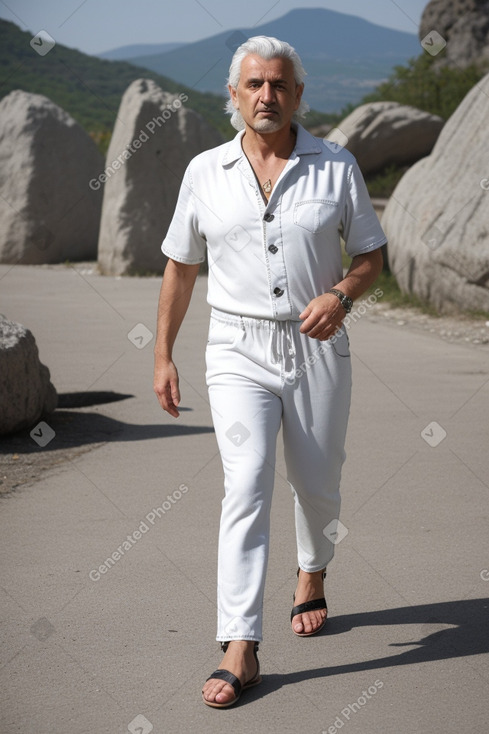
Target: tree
<point>419,84</point>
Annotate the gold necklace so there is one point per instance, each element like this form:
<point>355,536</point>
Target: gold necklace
<point>267,186</point>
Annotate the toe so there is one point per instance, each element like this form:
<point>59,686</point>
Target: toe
<point>308,622</point>
<point>297,625</point>
<point>218,691</point>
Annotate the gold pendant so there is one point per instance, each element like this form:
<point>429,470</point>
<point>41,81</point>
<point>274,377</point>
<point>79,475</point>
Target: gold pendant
<point>267,186</point>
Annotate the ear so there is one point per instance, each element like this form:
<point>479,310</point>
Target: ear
<point>234,97</point>
<point>298,95</point>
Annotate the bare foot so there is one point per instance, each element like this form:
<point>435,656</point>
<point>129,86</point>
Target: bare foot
<point>239,659</point>
<point>309,586</point>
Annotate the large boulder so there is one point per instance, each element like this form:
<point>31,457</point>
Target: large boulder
<point>383,133</point>
<point>26,392</point>
<point>48,212</point>
<point>154,138</point>
<point>437,218</point>
<point>464,25</point>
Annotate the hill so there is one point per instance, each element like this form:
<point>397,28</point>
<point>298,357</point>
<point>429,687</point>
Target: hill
<point>126,53</point>
<point>346,57</point>
<point>89,88</point>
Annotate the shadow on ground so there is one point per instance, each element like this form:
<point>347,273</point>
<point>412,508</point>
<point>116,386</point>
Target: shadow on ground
<point>73,428</point>
<point>467,635</point>
<point>75,432</point>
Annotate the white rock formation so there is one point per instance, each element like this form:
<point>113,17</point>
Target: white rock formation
<point>437,220</point>
<point>383,133</point>
<point>48,212</point>
<point>154,138</point>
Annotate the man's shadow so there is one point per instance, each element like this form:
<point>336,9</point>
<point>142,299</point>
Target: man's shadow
<point>469,636</point>
<point>75,428</point>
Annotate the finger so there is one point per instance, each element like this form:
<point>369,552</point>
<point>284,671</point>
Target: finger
<point>170,402</point>
<point>320,333</point>
<point>323,331</point>
<point>166,401</point>
<point>175,392</point>
<point>310,323</point>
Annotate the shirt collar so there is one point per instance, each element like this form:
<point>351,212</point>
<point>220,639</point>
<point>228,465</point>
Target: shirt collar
<point>305,144</point>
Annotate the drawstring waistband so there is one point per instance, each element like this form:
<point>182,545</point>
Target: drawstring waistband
<point>281,337</point>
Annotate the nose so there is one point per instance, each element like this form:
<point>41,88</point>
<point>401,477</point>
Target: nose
<point>267,93</point>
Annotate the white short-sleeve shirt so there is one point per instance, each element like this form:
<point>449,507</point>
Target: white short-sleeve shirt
<point>268,260</point>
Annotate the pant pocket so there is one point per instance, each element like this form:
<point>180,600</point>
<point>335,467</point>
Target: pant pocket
<point>341,343</point>
<point>222,333</point>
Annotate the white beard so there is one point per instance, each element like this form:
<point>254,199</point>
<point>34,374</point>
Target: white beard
<point>267,125</point>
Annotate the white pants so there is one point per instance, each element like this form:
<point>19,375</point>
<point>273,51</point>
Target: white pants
<point>260,374</point>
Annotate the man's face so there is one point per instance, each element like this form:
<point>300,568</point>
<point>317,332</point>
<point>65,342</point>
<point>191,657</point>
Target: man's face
<point>267,94</point>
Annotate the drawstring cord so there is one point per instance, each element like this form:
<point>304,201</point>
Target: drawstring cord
<point>290,339</point>
<point>281,341</point>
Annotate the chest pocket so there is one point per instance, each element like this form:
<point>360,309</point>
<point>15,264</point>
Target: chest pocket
<point>315,214</point>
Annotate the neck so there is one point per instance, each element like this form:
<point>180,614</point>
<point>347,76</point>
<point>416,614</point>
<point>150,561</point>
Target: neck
<point>278,144</point>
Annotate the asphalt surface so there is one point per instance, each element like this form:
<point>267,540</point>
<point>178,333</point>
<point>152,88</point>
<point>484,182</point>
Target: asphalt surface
<point>95,646</point>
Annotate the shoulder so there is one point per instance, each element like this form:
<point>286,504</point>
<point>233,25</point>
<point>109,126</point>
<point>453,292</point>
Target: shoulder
<point>208,158</point>
<point>323,150</point>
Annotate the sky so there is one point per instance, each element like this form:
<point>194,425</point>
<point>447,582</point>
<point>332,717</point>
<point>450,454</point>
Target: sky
<point>94,26</point>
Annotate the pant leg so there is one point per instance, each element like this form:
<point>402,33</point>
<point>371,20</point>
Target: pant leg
<point>246,416</point>
<point>316,404</point>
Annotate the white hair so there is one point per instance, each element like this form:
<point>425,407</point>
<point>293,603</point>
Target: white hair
<point>267,48</point>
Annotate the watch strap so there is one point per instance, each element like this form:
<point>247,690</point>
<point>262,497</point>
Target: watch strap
<point>345,300</point>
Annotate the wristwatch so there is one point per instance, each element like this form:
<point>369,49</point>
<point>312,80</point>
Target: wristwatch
<point>345,300</point>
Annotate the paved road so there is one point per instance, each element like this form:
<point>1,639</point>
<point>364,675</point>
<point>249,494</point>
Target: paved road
<point>91,646</point>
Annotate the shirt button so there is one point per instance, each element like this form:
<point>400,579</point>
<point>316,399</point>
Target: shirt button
<point>278,292</point>
<point>273,249</point>
<point>269,217</point>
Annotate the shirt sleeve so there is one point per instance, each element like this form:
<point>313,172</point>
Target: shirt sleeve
<point>183,241</point>
<point>361,227</point>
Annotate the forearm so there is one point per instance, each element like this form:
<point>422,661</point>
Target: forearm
<point>176,291</point>
<point>363,271</point>
<point>324,315</point>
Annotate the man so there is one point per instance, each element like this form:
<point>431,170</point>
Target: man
<point>268,207</point>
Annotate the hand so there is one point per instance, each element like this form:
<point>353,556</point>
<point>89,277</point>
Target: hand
<point>323,317</point>
<point>166,387</point>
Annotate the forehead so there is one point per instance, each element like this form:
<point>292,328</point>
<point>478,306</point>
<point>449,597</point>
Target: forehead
<point>254,67</point>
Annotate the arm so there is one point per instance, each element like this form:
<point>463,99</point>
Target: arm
<point>324,315</point>
<point>176,291</point>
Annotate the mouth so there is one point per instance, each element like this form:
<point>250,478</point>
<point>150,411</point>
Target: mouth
<point>266,112</point>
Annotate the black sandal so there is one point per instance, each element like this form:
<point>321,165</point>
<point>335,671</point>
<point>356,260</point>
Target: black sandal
<point>226,675</point>
<point>309,606</point>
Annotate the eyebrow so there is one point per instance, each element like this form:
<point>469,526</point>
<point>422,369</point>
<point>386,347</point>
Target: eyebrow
<point>254,80</point>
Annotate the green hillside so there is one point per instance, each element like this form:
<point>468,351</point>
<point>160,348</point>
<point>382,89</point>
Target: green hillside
<point>89,88</point>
